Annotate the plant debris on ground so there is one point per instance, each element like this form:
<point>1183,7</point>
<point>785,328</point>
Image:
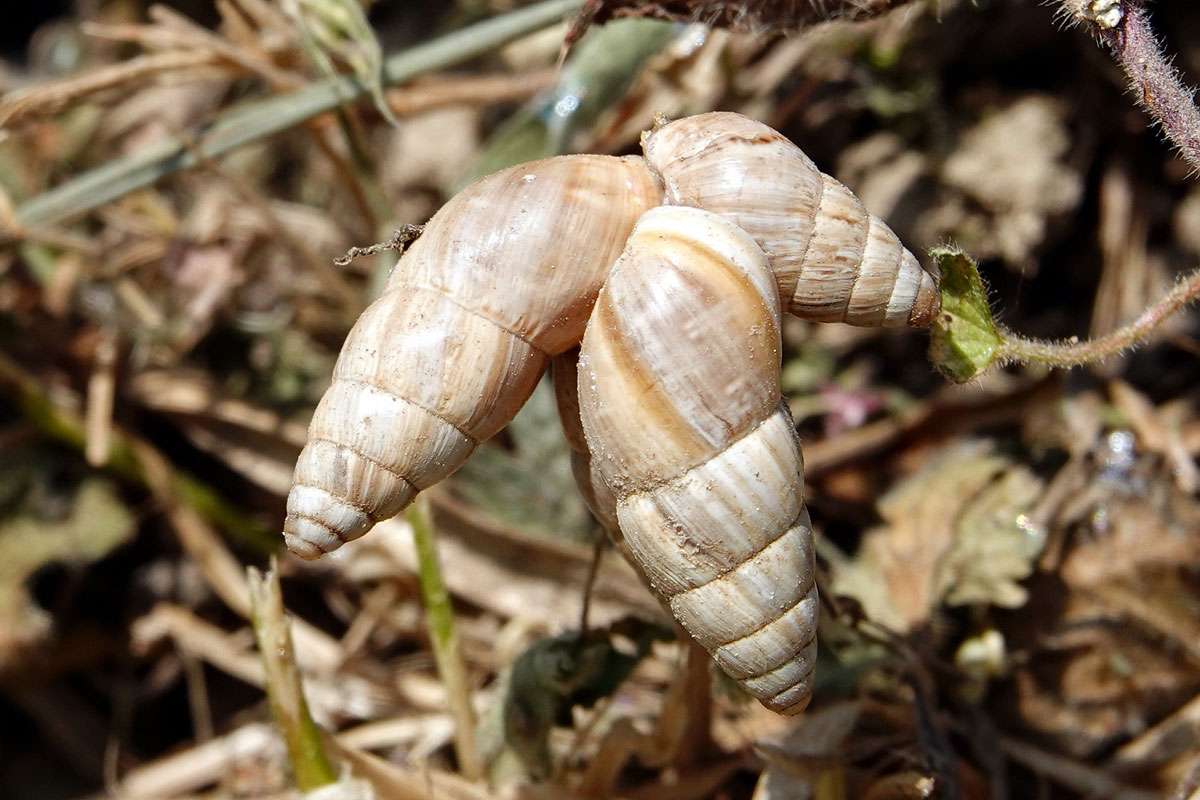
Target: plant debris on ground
<point>1009,568</point>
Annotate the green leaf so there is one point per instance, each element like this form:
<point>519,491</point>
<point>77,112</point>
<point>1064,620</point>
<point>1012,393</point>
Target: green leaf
<point>965,340</point>
<point>550,677</point>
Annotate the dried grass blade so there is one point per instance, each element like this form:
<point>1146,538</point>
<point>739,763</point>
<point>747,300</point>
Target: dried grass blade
<point>272,115</point>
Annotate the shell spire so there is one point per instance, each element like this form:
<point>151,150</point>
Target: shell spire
<point>832,259</point>
<point>502,279</point>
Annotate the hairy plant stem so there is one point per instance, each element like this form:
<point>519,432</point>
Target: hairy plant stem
<point>753,15</point>
<point>439,616</point>
<point>1157,85</point>
<point>1018,349</point>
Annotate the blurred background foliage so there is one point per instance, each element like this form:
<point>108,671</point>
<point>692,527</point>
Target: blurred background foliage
<point>1010,567</point>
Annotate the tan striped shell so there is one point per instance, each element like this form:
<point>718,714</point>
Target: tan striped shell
<point>502,278</point>
<point>680,441</point>
<point>679,398</point>
<point>834,261</point>
<point>681,444</point>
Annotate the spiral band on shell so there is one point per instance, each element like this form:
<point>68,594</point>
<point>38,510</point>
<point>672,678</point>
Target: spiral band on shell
<point>833,260</point>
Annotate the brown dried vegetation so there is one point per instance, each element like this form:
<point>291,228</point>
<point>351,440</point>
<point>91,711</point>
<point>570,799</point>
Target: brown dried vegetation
<point>1011,568</point>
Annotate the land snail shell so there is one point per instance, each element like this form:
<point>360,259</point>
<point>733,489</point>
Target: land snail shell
<point>832,259</point>
<point>678,386</point>
<point>503,281</point>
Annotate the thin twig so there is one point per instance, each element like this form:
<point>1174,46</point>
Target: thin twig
<point>100,391</point>
<point>1074,354</point>
<point>589,584</point>
<point>398,243</point>
<point>151,37</point>
<point>252,62</point>
<point>20,105</point>
<point>59,238</point>
<point>241,126</point>
<point>440,91</point>
<point>1083,778</point>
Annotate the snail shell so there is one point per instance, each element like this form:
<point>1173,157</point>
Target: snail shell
<point>833,261</point>
<point>679,399</point>
<point>505,275</point>
<point>502,279</point>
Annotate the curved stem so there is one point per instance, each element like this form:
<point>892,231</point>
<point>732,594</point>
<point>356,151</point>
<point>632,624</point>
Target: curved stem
<point>1124,26</point>
<point>311,765</point>
<point>443,635</point>
<point>1157,83</point>
<point>1073,354</point>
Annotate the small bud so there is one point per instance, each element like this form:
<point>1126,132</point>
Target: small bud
<point>964,339</point>
<point>1107,14</point>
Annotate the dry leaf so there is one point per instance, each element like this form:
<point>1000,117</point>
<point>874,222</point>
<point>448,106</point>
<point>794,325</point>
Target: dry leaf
<point>1014,164</point>
<point>96,523</point>
<point>955,532</point>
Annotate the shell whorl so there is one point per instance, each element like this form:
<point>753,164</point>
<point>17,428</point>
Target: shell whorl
<point>502,279</point>
<point>832,259</point>
<point>679,398</point>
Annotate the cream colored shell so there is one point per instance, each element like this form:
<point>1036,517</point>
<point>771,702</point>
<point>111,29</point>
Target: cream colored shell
<point>833,260</point>
<point>679,398</point>
<point>680,440</point>
<point>502,278</point>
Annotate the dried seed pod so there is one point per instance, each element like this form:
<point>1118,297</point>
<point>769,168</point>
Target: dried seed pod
<point>502,278</point>
<point>680,403</point>
<point>833,260</point>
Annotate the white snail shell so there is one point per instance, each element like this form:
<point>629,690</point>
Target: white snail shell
<point>502,278</point>
<point>681,444</point>
<point>596,493</point>
<point>679,398</point>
